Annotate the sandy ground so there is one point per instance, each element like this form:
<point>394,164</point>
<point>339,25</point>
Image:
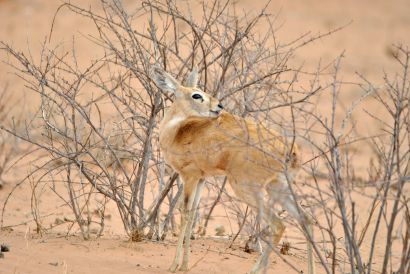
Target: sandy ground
<point>57,254</point>
<point>374,27</point>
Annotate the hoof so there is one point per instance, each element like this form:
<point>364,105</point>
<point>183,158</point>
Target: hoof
<point>173,267</point>
<point>184,267</point>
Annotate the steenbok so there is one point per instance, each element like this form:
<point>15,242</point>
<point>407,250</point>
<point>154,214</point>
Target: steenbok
<point>198,139</point>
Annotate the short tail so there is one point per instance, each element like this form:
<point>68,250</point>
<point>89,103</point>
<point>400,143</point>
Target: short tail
<point>293,158</point>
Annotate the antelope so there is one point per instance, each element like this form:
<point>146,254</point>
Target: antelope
<point>199,139</point>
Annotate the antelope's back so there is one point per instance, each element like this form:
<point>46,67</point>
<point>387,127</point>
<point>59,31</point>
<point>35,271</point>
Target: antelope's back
<point>231,145</point>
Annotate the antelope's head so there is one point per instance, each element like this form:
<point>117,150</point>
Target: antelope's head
<point>188,97</point>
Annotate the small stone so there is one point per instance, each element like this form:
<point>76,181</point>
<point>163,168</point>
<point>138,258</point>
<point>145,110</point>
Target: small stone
<point>284,250</point>
<point>220,230</point>
<point>58,221</point>
<point>5,248</point>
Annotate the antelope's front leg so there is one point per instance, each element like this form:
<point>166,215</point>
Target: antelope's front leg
<point>190,223</point>
<point>190,190</point>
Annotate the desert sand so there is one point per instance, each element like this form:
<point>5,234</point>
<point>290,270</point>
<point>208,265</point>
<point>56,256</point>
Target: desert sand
<point>373,26</point>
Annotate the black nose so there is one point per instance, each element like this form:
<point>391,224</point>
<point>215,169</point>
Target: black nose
<point>220,106</point>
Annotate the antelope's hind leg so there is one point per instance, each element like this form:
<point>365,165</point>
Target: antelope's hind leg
<point>277,228</point>
<point>289,204</point>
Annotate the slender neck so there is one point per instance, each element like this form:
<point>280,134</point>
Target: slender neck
<point>170,124</point>
<point>172,117</point>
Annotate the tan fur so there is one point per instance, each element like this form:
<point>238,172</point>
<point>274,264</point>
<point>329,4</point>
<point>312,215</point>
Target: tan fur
<point>225,145</point>
<point>198,140</point>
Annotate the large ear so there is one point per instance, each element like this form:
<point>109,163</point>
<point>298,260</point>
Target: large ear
<point>163,80</point>
<point>192,79</point>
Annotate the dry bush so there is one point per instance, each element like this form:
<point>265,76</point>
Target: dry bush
<point>10,147</point>
<point>358,216</point>
<point>93,120</point>
<point>96,126</point>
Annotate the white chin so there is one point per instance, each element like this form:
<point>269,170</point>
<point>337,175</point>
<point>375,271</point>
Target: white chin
<point>212,114</point>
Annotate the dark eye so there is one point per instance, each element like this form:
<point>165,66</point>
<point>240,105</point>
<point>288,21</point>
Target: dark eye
<point>197,96</point>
